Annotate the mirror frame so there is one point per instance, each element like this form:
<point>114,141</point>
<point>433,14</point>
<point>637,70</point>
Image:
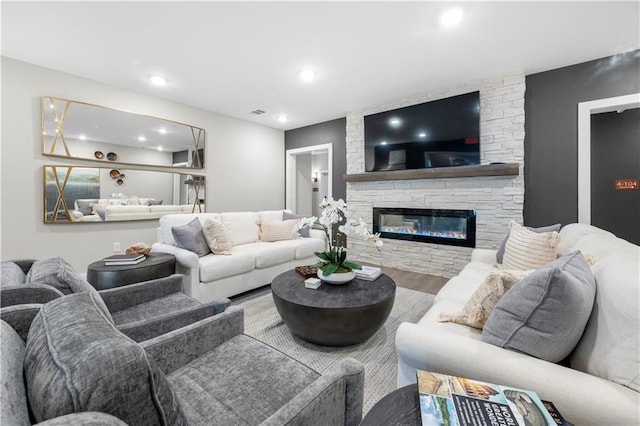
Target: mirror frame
<point>198,134</point>
<point>64,211</point>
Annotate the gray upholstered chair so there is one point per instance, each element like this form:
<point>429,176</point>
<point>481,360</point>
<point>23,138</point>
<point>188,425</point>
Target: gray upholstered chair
<point>206,373</point>
<point>13,403</point>
<point>142,310</point>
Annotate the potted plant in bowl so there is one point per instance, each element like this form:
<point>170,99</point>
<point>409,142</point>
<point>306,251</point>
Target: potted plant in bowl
<point>334,268</point>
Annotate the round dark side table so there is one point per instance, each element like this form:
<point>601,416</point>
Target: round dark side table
<point>333,315</point>
<point>400,408</point>
<point>156,265</point>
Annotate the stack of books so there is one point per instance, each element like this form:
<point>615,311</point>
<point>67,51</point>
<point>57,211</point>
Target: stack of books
<point>368,273</point>
<point>123,259</point>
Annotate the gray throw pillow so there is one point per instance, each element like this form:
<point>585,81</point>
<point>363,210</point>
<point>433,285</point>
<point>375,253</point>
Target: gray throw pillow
<point>304,232</point>
<point>154,202</point>
<point>190,237</point>
<point>101,212</point>
<point>541,230</point>
<point>11,274</point>
<point>84,207</point>
<point>545,313</point>
<point>77,360</point>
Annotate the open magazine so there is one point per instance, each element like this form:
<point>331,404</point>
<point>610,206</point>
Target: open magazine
<point>457,401</point>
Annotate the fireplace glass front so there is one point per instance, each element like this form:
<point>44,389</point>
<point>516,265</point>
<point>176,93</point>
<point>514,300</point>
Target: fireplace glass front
<point>439,226</point>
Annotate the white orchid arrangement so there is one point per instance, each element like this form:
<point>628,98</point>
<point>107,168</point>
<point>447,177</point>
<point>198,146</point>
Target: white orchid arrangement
<point>335,258</point>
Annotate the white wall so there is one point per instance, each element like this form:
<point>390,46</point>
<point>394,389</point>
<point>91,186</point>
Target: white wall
<point>244,165</point>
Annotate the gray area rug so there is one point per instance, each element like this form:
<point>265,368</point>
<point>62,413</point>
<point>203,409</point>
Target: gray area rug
<point>378,354</point>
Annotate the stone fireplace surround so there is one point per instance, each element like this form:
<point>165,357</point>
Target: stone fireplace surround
<point>496,199</point>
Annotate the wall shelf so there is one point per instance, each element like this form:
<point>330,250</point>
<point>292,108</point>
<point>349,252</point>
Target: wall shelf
<point>503,169</point>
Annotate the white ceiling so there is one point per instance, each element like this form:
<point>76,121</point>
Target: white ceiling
<point>235,57</point>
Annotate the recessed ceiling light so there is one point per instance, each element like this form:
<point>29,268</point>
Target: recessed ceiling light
<point>395,122</point>
<point>307,75</point>
<point>422,135</point>
<point>162,130</point>
<point>451,17</point>
<point>283,118</point>
<point>82,137</point>
<point>159,148</point>
<point>142,138</point>
<point>383,143</point>
<point>158,80</point>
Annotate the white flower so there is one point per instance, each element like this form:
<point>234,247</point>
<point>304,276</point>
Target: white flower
<point>332,213</point>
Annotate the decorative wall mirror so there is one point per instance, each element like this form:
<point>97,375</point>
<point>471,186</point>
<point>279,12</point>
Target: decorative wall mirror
<point>79,194</point>
<point>73,129</point>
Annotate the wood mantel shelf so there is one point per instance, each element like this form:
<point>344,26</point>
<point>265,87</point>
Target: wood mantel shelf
<point>502,169</point>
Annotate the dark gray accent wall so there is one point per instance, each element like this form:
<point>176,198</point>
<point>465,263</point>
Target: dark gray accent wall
<point>334,132</point>
<point>551,126</point>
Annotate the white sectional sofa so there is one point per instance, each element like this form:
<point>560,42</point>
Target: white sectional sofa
<point>252,263</point>
<point>114,210</point>
<point>599,384</point>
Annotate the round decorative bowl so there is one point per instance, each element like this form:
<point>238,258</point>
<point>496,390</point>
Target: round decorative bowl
<point>336,278</point>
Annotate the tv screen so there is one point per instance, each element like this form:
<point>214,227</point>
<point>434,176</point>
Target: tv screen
<point>440,133</point>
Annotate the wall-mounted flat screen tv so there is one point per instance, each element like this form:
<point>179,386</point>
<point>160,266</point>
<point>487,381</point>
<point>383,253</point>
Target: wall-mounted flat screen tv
<point>440,133</point>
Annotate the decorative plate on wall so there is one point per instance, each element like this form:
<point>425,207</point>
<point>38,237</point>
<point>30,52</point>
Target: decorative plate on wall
<point>120,181</point>
<point>99,155</point>
<point>112,156</point>
<point>114,174</point>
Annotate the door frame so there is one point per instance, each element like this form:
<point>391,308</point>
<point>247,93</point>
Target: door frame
<point>290,171</point>
<point>585,110</point>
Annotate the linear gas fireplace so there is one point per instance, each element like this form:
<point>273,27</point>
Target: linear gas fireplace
<point>439,226</point>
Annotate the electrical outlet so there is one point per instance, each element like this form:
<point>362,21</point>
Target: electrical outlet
<point>116,247</point>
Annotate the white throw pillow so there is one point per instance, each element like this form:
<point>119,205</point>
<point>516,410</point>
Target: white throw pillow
<point>526,249</point>
<point>273,230</point>
<point>217,236</point>
<point>478,308</point>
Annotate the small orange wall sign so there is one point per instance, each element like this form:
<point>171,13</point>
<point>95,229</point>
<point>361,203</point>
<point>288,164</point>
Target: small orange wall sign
<point>626,184</point>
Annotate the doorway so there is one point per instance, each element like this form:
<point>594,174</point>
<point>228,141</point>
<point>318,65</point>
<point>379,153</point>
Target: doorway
<point>585,112</point>
<point>615,166</point>
<point>308,178</point>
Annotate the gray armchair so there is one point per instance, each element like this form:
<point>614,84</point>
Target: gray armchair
<point>208,372</point>
<point>141,311</point>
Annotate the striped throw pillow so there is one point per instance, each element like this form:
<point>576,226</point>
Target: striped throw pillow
<point>277,230</point>
<point>218,236</point>
<point>526,249</point>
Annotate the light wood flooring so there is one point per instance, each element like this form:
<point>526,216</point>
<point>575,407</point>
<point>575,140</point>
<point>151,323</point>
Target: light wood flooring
<point>415,281</point>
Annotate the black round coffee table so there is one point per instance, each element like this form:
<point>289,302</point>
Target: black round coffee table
<point>333,315</point>
<point>156,265</point>
<point>400,408</point>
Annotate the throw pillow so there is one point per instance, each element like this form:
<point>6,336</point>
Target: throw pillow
<point>154,202</point>
<point>527,249</point>
<point>190,237</point>
<point>77,355</point>
<point>11,274</point>
<point>85,206</point>
<point>217,236</point>
<point>484,299</point>
<point>550,228</point>
<point>544,315</point>
<point>304,232</point>
<point>277,230</point>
